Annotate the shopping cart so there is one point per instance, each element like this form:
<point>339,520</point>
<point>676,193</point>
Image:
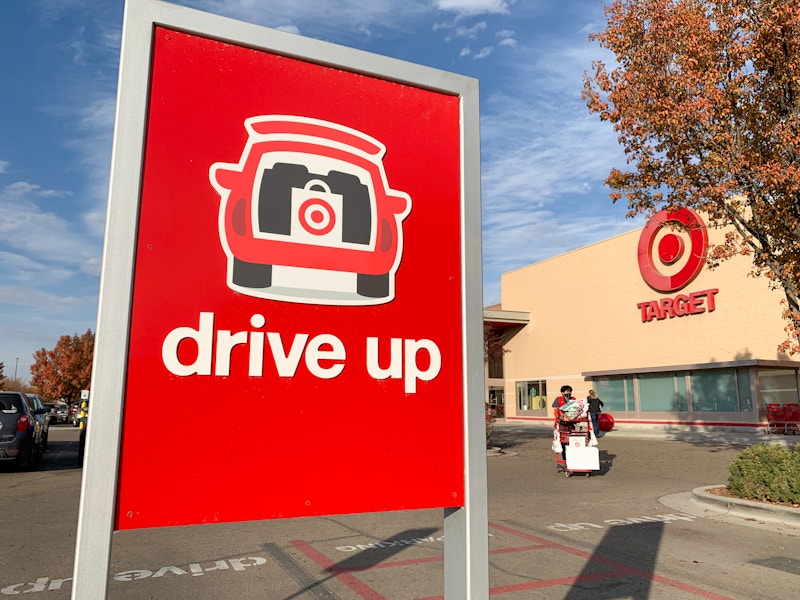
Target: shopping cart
<point>575,435</point>
<point>783,418</point>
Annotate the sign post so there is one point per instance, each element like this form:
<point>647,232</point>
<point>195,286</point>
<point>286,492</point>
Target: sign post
<point>273,205</point>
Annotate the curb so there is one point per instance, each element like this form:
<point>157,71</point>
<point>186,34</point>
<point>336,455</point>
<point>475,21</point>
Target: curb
<point>497,451</point>
<point>746,509</point>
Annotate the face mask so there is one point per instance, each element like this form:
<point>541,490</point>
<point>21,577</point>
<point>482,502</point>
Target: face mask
<point>567,395</point>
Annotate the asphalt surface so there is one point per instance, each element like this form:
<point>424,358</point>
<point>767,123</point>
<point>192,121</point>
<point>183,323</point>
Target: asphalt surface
<point>634,529</point>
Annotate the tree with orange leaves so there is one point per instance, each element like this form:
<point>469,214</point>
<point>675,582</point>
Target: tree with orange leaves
<point>66,370</point>
<point>705,98</point>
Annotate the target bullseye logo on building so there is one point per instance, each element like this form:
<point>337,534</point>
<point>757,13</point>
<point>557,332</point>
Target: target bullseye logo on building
<point>293,238</point>
<point>671,254</point>
<point>677,266</point>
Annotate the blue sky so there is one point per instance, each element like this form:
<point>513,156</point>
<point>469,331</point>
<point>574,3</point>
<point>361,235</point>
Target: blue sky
<point>543,156</point>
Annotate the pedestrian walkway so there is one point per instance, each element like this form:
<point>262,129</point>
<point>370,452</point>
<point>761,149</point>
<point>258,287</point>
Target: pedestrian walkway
<point>736,436</point>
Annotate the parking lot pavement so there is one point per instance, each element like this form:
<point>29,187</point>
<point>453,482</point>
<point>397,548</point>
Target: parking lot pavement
<point>606,537</point>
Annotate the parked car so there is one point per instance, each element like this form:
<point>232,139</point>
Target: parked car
<point>42,414</point>
<point>59,413</point>
<point>22,435</point>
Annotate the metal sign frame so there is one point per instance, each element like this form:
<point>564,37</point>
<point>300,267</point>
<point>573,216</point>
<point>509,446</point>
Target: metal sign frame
<point>466,527</point>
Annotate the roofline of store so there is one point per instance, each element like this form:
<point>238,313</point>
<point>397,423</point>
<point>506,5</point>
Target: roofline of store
<point>505,318</point>
<point>694,367</point>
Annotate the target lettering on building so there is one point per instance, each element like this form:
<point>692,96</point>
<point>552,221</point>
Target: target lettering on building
<point>671,254</point>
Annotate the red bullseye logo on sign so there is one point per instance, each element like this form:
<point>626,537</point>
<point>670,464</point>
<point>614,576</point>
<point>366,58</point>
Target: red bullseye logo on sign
<point>317,217</point>
<point>665,262</point>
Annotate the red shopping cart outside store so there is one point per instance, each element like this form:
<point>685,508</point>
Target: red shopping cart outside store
<point>575,434</point>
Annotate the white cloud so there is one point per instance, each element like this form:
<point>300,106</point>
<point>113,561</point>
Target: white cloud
<point>47,243</point>
<point>19,188</point>
<point>302,14</point>
<point>468,32</point>
<point>50,11</point>
<point>544,160</point>
<point>78,47</point>
<point>289,29</point>
<point>506,38</point>
<point>474,7</point>
<point>484,52</point>
<point>29,296</point>
<point>4,164</point>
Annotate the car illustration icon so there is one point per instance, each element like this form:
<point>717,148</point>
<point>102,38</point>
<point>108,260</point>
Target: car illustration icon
<point>307,214</point>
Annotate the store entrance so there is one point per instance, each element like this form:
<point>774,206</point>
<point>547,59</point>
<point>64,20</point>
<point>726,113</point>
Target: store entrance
<point>497,404</point>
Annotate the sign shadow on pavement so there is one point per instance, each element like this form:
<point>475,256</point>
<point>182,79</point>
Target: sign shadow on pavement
<point>373,555</point>
<point>592,583</point>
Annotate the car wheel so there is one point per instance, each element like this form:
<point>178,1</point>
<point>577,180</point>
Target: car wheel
<point>251,275</point>
<point>26,463</point>
<point>373,286</point>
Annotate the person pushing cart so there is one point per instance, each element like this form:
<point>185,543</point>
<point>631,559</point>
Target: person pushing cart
<point>573,429</point>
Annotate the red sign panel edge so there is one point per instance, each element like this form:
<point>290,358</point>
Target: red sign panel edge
<point>465,524</point>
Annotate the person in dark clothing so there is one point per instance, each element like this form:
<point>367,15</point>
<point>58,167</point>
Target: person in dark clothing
<point>564,398</point>
<point>595,406</point>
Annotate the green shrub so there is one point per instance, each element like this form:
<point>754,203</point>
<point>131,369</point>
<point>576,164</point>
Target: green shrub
<point>764,472</point>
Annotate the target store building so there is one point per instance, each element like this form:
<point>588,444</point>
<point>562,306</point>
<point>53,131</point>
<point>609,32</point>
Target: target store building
<point>641,318</point>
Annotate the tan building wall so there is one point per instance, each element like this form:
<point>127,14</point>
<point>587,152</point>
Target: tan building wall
<point>584,319</point>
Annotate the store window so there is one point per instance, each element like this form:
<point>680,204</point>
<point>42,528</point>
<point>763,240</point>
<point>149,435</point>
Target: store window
<point>721,390</point>
<point>657,392</point>
<point>493,351</point>
<point>531,395</point>
<point>615,392</point>
<point>681,396</point>
<point>778,386</point>
<point>663,392</point>
<point>745,390</point>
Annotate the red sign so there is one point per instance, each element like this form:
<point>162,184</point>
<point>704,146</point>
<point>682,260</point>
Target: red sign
<point>667,265</point>
<point>655,267</point>
<point>680,306</point>
<point>297,224</point>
